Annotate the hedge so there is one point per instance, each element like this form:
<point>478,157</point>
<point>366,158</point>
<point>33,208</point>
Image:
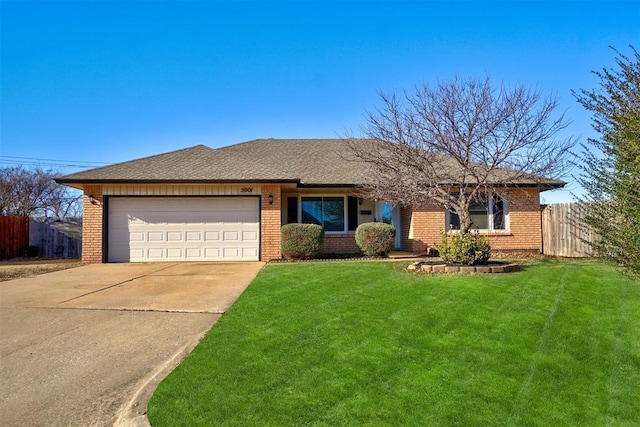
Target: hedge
<point>301,241</point>
<point>375,238</point>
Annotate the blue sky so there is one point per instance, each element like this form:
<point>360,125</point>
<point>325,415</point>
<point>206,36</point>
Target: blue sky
<point>114,80</point>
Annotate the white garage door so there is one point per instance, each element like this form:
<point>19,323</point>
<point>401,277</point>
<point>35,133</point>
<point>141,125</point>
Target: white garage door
<point>150,229</point>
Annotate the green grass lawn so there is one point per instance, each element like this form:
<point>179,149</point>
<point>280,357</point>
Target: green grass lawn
<point>366,343</point>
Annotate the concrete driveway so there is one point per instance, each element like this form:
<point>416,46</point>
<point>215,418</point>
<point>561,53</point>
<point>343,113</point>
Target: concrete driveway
<point>87,346</point>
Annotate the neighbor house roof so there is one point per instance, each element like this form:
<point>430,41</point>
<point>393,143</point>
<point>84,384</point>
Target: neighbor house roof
<point>312,162</point>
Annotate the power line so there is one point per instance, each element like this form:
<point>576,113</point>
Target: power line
<point>47,165</point>
<point>54,160</point>
<point>52,163</point>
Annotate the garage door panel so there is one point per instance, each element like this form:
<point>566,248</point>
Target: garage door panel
<point>193,236</point>
<point>183,229</point>
<point>174,236</point>
<point>135,237</point>
<point>134,253</point>
<point>212,236</point>
<point>249,252</point>
<point>231,236</point>
<point>250,236</point>
<point>230,253</point>
<point>212,252</point>
<point>156,236</point>
<point>155,254</point>
<point>174,253</point>
<point>193,253</point>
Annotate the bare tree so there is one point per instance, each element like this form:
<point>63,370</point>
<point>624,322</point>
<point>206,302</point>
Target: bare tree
<point>453,144</point>
<point>26,193</point>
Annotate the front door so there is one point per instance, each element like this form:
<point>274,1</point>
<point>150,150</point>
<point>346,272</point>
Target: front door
<point>387,213</point>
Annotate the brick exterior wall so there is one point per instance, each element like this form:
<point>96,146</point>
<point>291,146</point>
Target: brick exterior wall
<point>421,227</point>
<point>525,218</point>
<point>340,244</point>
<point>270,218</point>
<point>92,222</point>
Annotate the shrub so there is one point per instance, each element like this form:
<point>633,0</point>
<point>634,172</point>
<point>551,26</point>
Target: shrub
<point>467,249</point>
<point>375,238</point>
<point>301,241</point>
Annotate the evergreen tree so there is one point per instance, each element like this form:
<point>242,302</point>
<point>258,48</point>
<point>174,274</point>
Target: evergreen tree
<point>610,165</point>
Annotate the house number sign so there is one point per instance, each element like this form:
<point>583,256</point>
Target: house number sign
<point>246,190</point>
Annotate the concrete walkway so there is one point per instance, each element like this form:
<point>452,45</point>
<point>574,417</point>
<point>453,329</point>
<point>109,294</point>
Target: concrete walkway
<point>87,346</point>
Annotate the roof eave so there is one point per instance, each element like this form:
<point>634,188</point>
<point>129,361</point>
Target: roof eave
<point>543,186</point>
<point>173,181</point>
<point>324,185</point>
<point>552,186</point>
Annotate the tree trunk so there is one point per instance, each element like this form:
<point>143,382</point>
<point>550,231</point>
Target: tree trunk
<point>465,221</point>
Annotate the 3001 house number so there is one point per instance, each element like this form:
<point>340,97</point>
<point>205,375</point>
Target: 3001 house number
<point>246,190</point>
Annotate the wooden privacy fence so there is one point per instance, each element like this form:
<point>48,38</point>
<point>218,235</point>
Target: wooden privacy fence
<point>563,231</point>
<point>57,238</point>
<point>14,235</point>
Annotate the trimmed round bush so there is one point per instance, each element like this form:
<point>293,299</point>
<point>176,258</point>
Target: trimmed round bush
<point>301,241</point>
<point>467,249</point>
<point>375,238</point>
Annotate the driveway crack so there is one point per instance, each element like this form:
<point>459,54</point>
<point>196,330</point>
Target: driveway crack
<point>112,286</point>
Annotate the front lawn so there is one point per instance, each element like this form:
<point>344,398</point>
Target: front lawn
<point>366,343</point>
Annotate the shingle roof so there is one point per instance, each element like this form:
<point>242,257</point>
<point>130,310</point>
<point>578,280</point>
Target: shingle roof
<point>307,161</point>
<point>321,162</point>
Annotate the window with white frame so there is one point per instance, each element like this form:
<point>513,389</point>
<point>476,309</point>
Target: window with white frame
<point>489,214</point>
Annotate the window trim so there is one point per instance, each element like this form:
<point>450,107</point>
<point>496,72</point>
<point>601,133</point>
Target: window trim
<point>490,216</point>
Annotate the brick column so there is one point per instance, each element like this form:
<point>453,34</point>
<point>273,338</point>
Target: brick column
<point>92,224</point>
<point>270,236</point>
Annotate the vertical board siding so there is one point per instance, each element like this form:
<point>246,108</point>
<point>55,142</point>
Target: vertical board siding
<point>180,190</point>
<point>62,239</point>
<point>14,235</point>
<point>564,232</point>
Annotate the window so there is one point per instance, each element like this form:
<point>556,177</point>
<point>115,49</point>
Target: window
<point>352,209</point>
<point>292,209</point>
<point>487,215</point>
<point>329,212</point>
<point>325,211</point>
<point>479,213</point>
<point>498,213</point>
<point>385,213</point>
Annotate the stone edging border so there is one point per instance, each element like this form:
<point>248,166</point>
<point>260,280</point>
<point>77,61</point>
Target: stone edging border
<point>425,267</point>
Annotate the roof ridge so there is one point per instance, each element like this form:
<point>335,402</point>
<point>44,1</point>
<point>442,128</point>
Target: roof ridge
<point>279,140</point>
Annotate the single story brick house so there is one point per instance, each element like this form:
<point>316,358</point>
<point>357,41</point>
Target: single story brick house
<point>228,204</point>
